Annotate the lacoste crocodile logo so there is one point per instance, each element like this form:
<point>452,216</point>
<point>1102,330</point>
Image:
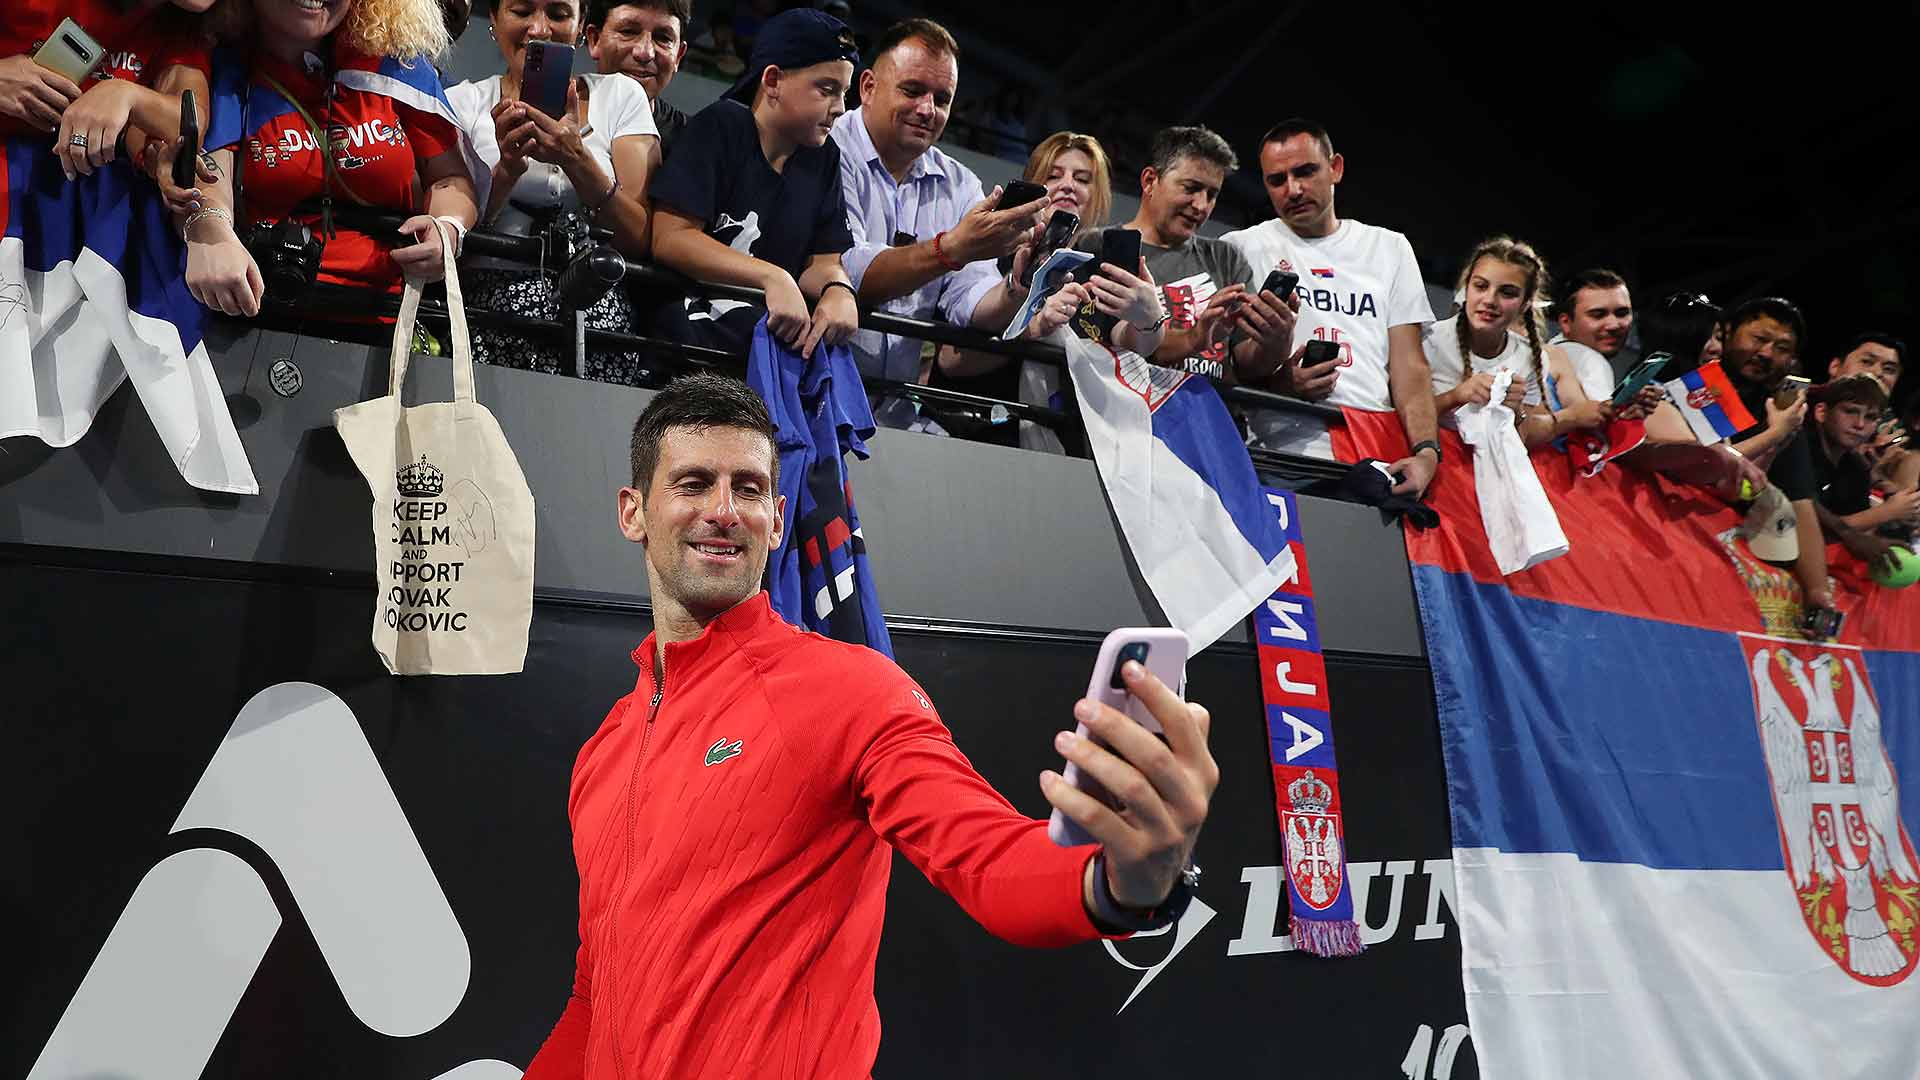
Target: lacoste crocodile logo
<point>721,750</point>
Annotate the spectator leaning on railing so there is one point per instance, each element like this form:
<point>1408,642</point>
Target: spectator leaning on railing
<point>1498,289</point>
<point>644,40</point>
<point>924,235</point>
<point>752,195</point>
<point>1078,176</point>
<point>1847,412</point>
<point>1360,288</point>
<point>593,162</point>
<point>330,106</point>
<point>1595,313</point>
<point>1216,322</point>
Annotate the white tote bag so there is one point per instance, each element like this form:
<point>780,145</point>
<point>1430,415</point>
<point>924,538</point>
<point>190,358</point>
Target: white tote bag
<point>452,516</point>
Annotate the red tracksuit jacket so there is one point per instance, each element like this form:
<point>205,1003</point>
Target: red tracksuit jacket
<point>731,828</point>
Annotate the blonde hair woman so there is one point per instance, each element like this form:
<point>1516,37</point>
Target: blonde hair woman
<point>329,106</point>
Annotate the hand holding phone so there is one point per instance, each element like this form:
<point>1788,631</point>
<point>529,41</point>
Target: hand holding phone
<point>70,51</point>
<point>1790,390</point>
<point>1163,651</point>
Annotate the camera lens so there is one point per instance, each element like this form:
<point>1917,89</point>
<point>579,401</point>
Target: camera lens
<point>1133,650</point>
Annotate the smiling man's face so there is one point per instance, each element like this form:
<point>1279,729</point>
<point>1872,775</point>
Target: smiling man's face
<point>709,518</point>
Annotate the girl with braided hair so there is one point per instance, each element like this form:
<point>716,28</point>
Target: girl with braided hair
<point>1502,293</point>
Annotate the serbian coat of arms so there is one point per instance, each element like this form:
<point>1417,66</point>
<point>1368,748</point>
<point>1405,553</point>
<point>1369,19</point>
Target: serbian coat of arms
<point>1314,855</point>
<point>1848,856</point>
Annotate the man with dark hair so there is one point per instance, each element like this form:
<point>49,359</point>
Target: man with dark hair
<point>1763,338</point>
<point>645,40</point>
<point>1359,288</point>
<point>732,817</point>
<point>751,196</point>
<point>1876,353</point>
<point>1216,323</point>
<point>925,236</point>
<point>1595,313</point>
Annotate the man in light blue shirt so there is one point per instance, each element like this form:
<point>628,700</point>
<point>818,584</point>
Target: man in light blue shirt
<point>925,236</point>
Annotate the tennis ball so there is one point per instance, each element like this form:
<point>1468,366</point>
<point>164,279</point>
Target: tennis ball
<point>1746,490</point>
<point>1906,570</point>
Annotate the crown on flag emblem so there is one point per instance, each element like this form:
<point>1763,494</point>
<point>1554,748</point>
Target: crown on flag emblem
<point>420,480</point>
<point>1309,794</point>
<point>1702,397</point>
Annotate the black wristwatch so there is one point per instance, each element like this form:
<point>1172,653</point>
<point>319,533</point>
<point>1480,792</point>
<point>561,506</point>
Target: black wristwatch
<point>1108,915</point>
<point>1427,444</point>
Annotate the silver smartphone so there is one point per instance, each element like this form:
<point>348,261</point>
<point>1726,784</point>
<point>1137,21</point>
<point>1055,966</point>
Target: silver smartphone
<point>70,51</point>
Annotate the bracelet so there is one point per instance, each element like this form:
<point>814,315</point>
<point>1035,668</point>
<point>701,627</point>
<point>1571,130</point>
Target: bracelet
<point>940,256</point>
<point>1427,444</point>
<point>459,232</point>
<point>841,285</point>
<point>605,200</point>
<point>220,212</point>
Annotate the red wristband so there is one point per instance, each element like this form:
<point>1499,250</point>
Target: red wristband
<point>940,256</point>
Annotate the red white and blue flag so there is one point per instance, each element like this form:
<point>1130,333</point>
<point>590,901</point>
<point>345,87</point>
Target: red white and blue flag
<point>1707,399</point>
<point>1177,474</point>
<point>93,294</point>
<point>1680,841</point>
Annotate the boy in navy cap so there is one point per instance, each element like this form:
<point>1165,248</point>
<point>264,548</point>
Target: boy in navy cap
<point>752,197</point>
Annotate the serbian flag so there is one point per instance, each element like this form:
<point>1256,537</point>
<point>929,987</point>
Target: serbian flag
<point>93,294</point>
<point>1707,399</point>
<point>1683,836</point>
<point>1191,509</point>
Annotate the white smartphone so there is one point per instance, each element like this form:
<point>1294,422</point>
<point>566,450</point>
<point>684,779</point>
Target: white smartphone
<point>70,51</point>
<point>1164,652</point>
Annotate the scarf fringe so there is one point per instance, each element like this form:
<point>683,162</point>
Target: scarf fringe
<point>1327,937</point>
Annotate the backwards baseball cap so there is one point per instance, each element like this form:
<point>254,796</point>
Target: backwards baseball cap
<point>796,38</point>
<point>1772,527</point>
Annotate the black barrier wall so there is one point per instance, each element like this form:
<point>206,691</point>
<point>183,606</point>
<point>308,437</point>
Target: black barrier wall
<point>125,672</point>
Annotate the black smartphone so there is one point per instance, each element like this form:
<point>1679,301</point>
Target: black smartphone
<point>1822,622</point>
<point>1281,283</point>
<point>184,173</point>
<point>1319,352</point>
<point>543,78</point>
<point>1019,193</point>
<point>1060,229</point>
<point>1121,248</point>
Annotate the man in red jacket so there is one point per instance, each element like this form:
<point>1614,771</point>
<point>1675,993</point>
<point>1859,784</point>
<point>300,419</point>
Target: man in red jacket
<point>732,816</point>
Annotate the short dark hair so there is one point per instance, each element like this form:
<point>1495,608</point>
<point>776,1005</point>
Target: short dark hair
<point>1881,338</point>
<point>701,400</point>
<point>1173,143</point>
<point>1770,307</point>
<point>932,33</point>
<point>1864,389</point>
<point>1598,277</point>
<point>1300,125</point>
<point>597,11</point>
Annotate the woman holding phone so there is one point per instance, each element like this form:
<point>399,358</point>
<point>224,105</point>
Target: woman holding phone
<point>592,160</point>
<point>90,263</point>
<point>330,111</point>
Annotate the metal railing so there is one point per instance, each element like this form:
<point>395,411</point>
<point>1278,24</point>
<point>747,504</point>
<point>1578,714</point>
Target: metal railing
<point>531,251</point>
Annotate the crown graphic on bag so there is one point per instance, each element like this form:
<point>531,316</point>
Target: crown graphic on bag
<point>1310,794</point>
<point>420,480</point>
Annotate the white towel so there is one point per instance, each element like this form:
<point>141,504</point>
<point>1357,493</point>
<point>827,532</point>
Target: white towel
<point>1522,528</point>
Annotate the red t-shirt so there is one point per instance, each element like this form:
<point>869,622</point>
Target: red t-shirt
<point>379,145</point>
<point>733,837</point>
<point>140,41</point>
